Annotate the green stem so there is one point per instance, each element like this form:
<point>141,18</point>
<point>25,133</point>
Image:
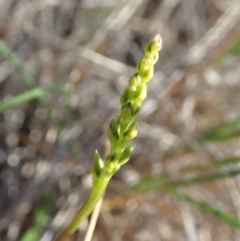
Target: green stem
<point>7,53</point>
<point>99,187</point>
<point>21,98</point>
<point>121,131</point>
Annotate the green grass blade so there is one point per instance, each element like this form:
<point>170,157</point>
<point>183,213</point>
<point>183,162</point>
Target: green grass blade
<point>209,166</point>
<point>34,233</point>
<point>203,179</point>
<point>207,207</point>
<point>42,210</point>
<point>7,53</point>
<point>151,183</point>
<point>223,132</point>
<point>159,182</point>
<point>21,98</point>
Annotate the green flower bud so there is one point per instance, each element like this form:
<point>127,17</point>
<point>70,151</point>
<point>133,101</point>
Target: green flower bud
<point>145,64</point>
<point>155,45</point>
<point>155,57</point>
<point>111,157</point>
<point>147,75</point>
<point>131,132</point>
<point>135,107</point>
<point>133,84</point>
<point>126,112</point>
<point>135,81</point>
<point>113,132</point>
<point>124,97</point>
<point>125,123</point>
<point>111,164</point>
<point>141,93</point>
<point>131,92</point>
<point>98,165</point>
<point>125,117</point>
<point>157,41</point>
<point>125,155</point>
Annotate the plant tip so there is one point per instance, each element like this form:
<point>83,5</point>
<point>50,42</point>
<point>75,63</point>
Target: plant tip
<point>158,40</point>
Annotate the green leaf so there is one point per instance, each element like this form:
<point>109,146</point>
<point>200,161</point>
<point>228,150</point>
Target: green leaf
<point>223,132</point>
<point>21,98</point>
<point>7,53</point>
<point>207,207</point>
<point>158,182</point>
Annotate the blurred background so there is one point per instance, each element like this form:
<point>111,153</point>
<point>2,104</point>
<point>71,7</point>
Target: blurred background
<point>63,66</point>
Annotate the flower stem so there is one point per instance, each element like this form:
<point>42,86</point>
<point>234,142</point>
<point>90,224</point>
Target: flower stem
<point>121,130</point>
<point>99,187</point>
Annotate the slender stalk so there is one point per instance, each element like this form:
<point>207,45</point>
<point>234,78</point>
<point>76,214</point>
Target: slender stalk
<point>21,98</point>
<point>7,53</point>
<point>162,182</point>
<point>207,207</point>
<point>98,190</point>
<point>29,82</point>
<point>121,130</point>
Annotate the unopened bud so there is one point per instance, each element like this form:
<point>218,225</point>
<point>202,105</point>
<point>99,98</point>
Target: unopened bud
<point>98,165</point>
<point>113,131</point>
<point>147,75</point>
<point>135,81</point>
<point>126,112</point>
<point>135,107</point>
<point>131,132</point>
<point>155,45</point>
<point>145,64</point>
<point>125,155</point>
<point>124,97</point>
<point>141,93</point>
